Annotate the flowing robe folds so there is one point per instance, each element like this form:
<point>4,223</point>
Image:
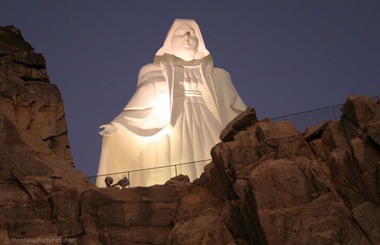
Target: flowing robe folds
<point>175,117</point>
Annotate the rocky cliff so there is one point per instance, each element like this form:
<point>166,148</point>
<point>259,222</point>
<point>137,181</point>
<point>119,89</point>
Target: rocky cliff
<point>267,183</point>
<point>40,189</point>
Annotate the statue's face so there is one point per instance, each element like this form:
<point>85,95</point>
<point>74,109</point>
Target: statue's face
<point>184,43</point>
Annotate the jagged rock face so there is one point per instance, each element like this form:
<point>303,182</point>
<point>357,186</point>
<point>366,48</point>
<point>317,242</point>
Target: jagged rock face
<point>321,187</point>
<point>174,213</point>
<point>40,189</point>
<point>266,184</point>
<point>28,99</point>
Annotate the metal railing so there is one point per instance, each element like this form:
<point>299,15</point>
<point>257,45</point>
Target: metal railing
<point>128,173</point>
<point>307,118</point>
<point>301,120</point>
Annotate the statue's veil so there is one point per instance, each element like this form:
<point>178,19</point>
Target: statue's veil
<point>166,48</point>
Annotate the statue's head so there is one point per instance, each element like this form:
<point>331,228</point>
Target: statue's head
<point>185,41</point>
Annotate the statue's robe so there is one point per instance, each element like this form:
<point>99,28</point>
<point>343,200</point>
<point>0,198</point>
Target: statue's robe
<point>166,123</point>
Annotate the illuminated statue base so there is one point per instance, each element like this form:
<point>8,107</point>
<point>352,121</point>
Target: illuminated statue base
<point>149,157</point>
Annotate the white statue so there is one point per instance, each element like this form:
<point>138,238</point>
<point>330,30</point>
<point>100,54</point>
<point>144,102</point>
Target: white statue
<point>180,106</point>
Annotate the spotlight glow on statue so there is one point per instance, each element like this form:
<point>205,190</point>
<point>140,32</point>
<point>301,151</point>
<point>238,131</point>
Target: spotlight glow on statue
<point>180,106</point>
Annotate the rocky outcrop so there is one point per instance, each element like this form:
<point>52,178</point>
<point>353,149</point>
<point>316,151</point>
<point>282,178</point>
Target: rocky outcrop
<point>320,187</point>
<point>40,189</point>
<point>28,99</point>
<point>266,184</point>
<point>175,213</point>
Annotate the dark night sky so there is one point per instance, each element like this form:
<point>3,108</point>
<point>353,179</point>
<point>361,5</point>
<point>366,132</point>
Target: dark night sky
<point>283,56</point>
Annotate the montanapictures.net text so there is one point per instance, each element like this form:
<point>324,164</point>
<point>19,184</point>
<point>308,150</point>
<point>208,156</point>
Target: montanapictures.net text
<point>59,240</point>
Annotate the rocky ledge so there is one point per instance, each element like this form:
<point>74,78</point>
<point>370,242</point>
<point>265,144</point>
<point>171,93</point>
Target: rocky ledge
<point>266,184</point>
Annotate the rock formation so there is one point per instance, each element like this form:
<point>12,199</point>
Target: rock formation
<point>40,189</point>
<point>266,184</point>
<point>320,187</point>
<point>28,99</point>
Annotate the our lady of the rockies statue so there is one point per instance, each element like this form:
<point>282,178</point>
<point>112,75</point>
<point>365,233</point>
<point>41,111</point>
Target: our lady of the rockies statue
<point>175,117</point>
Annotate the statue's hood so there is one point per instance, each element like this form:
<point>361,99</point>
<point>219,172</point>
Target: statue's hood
<point>166,48</point>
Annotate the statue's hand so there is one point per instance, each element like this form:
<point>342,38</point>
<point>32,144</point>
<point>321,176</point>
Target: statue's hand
<point>107,129</point>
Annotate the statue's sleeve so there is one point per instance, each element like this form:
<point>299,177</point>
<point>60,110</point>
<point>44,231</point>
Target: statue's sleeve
<point>149,77</point>
<point>229,101</point>
<point>223,78</point>
<point>148,110</point>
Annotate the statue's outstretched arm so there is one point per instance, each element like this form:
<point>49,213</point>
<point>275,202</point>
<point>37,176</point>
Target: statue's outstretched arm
<point>146,112</point>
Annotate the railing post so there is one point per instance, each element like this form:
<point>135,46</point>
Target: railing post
<point>175,167</point>
<point>129,186</point>
<point>334,112</point>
